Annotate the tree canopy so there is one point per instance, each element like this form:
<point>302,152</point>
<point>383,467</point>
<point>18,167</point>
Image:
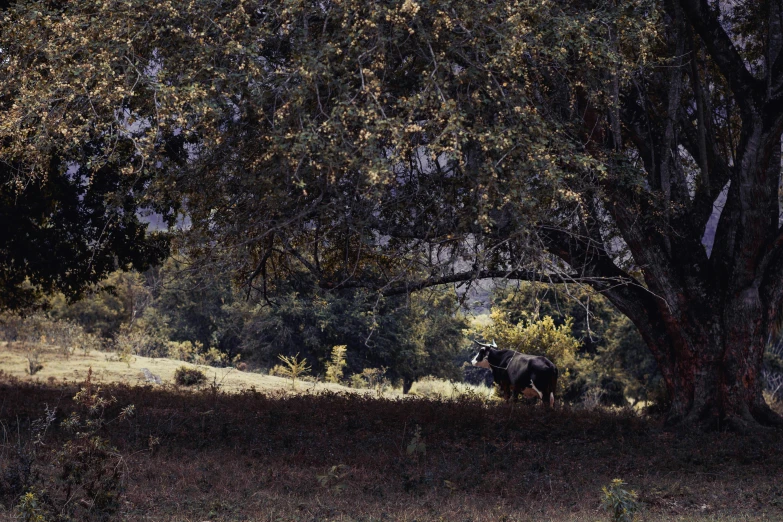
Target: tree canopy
<point>631,145</point>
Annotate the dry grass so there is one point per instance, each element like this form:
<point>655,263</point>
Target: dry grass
<point>257,456</point>
<point>433,388</point>
<point>107,369</point>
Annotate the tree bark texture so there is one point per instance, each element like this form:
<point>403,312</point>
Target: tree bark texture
<point>705,316</point>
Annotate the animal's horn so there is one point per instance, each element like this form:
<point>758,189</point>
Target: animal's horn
<point>493,345</point>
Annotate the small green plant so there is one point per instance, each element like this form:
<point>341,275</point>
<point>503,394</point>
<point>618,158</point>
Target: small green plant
<point>357,381</point>
<point>376,379</point>
<point>333,478</point>
<point>292,368</point>
<point>126,356</point>
<point>621,504</point>
<point>334,368</point>
<point>185,376</point>
<point>30,509</point>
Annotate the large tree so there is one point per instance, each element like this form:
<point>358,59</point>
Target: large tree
<point>632,145</point>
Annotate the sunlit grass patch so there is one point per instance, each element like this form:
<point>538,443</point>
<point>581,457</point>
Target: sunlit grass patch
<point>433,388</point>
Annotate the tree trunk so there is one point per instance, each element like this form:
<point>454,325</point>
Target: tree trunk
<point>712,365</point>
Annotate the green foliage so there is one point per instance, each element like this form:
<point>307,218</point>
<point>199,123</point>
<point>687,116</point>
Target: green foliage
<point>536,337</point>
<point>464,97</point>
<point>121,298</point>
<point>38,329</point>
<point>30,509</point>
<point>293,368</point>
<point>67,229</point>
<point>81,479</point>
<point>185,376</point>
<point>199,306</point>
<point>372,378</point>
<point>621,504</point>
<point>434,388</point>
<point>398,142</point>
<point>335,366</point>
<point>91,469</point>
<point>411,338</point>
<point>612,361</point>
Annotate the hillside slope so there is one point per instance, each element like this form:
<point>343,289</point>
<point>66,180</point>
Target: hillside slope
<point>107,368</point>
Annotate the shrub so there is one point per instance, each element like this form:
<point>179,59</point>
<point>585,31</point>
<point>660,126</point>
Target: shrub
<point>194,353</point>
<point>135,340</point>
<point>88,480</point>
<point>533,336</point>
<point>334,368</point>
<point>185,376</point>
<point>334,478</point>
<point>373,378</point>
<point>30,509</point>
<point>292,368</point>
<point>621,504</point>
<point>357,381</point>
<point>40,329</point>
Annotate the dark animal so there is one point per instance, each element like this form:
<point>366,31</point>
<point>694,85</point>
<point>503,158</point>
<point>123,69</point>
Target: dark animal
<point>515,373</point>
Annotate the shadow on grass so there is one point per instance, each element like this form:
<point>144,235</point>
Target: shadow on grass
<point>273,456</point>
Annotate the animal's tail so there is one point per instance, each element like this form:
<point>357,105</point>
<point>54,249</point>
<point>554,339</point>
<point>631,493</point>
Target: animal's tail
<point>553,387</point>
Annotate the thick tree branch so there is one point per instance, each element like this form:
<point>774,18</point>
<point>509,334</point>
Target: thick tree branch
<point>743,84</point>
<point>708,190</point>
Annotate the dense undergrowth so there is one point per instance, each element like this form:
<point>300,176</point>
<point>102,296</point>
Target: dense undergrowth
<point>276,456</point>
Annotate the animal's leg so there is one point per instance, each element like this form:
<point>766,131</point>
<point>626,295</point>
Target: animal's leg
<point>506,391</point>
<point>538,387</point>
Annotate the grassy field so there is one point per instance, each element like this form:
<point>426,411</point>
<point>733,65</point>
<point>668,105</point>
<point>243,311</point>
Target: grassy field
<point>321,454</point>
<point>107,368</point>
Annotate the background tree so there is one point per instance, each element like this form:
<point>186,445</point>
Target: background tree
<point>633,145</point>
<point>63,234</point>
<point>121,298</point>
<point>411,338</point>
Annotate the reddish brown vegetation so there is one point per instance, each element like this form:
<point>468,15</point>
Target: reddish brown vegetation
<point>256,456</point>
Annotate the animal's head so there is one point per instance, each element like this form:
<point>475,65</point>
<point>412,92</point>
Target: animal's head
<point>480,359</point>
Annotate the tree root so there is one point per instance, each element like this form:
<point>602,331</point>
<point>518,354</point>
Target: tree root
<point>758,419</point>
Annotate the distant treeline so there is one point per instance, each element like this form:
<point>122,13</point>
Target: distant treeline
<point>196,314</point>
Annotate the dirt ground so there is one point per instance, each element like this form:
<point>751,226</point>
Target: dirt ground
<point>275,456</point>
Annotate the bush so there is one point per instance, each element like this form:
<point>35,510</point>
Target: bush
<point>292,368</point>
<point>40,329</point>
<point>621,504</point>
<point>535,337</point>
<point>87,483</point>
<point>194,353</point>
<point>185,376</point>
<point>334,368</point>
<point>373,378</point>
